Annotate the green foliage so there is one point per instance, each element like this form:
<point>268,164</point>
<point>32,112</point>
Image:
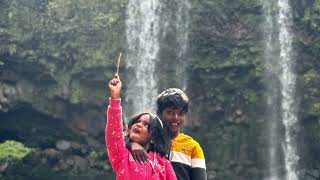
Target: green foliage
<point>76,92</point>
<point>312,16</point>
<point>71,34</point>
<point>239,56</point>
<point>251,4</point>
<point>251,96</point>
<point>316,108</point>
<point>13,149</point>
<point>93,154</point>
<point>105,20</point>
<point>251,20</point>
<point>311,76</point>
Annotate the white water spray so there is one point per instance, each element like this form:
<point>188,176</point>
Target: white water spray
<point>280,66</point>
<point>288,83</point>
<point>182,27</point>
<point>142,23</point>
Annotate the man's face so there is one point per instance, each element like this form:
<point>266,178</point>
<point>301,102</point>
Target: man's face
<point>174,118</point>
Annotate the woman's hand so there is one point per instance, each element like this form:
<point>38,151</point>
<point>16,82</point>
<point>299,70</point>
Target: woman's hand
<point>115,86</point>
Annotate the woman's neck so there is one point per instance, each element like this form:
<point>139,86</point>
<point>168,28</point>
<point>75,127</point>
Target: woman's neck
<point>145,146</point>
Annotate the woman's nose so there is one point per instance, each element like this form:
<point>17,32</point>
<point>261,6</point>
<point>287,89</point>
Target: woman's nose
<point>139,124</point>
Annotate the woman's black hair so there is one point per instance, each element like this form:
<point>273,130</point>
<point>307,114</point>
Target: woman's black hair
<point>160,134</point>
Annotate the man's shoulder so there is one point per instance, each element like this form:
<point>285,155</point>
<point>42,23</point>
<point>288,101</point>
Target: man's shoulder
<point>188,146</point>
<point>186,142</point>
<point>186,139</point>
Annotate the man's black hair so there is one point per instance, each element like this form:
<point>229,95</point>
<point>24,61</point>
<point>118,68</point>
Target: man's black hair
<point>173,98</point>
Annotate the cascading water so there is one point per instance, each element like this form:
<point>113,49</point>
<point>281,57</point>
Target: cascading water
<point>288,83</point>
<point>145,20</point>
<point>272,93</point>
<point>182,27</point>
<point>142,31</point>
<point>281,91</point>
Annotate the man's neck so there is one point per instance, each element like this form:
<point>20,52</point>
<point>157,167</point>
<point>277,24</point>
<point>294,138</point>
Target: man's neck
<point>175,134</point>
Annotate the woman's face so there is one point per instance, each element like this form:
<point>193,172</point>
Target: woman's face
<point>139,130</point>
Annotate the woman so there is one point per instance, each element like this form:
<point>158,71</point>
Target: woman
<point>145,129</point>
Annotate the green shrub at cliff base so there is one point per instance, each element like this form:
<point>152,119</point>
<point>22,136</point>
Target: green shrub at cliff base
<point>13,149</point>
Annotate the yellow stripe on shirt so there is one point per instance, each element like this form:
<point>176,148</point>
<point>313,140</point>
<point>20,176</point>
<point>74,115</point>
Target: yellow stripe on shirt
<point>187,151</point>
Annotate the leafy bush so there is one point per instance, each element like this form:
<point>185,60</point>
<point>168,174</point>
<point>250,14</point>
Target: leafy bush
<point>13,149</point>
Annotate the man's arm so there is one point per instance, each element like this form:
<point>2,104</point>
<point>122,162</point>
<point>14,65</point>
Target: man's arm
<point>137,151</point>
<point>198,174</point>
<point>198,165</point>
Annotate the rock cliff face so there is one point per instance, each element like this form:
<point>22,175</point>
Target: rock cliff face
<point>56,56</point>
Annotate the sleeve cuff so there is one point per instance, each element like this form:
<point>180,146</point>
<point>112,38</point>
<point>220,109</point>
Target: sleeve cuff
<point>115,103</point>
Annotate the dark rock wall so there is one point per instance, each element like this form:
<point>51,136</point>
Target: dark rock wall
<point>56,56</point>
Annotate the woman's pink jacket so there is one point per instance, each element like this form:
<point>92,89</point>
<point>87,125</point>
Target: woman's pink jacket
<point>126,168</point>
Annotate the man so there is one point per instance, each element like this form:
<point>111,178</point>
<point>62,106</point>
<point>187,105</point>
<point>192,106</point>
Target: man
<point>186,154</point>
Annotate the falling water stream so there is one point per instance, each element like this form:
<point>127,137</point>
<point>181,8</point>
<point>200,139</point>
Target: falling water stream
<point>288,83</point>
<point>182,27</point>
<point>272,92</point>
<point>280,90</point>
<point>144,21</point>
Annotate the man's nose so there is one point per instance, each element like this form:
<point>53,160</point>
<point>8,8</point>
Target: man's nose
<point>175,115</point>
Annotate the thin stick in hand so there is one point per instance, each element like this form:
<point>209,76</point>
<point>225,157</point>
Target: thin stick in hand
<point>118,65</point>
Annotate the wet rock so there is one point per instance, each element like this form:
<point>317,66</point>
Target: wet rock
<point>212,174</point>
<point>63,145</point>
<point>8,97</point>
<point>80,163</point>
<point>52,155</point>
<point>70,162</point>
<point>106,167</point>
<point>62,165</point>
<point>238,112</point>
<point>3,166</point>
<point>93,143</point>
<point>75,146</point>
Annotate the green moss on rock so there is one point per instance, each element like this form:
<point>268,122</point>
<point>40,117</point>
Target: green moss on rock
<point>13,149</point>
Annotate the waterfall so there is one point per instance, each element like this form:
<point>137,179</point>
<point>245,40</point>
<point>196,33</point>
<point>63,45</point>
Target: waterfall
<point>142,23</point>
<point>272,93</point>
<point>281,82</point>
<point>288,83</point>
<point>182,26</point>
<point>145,20</point>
